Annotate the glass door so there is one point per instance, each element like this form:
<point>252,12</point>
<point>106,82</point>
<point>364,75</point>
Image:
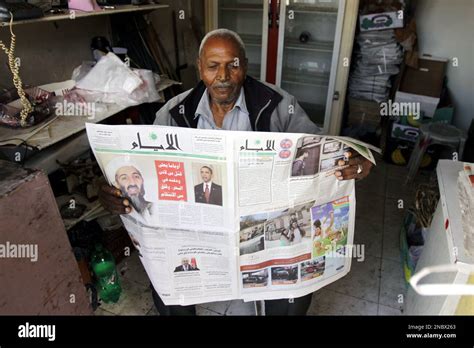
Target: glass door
<point>309,37</point>
<point>246,17</point>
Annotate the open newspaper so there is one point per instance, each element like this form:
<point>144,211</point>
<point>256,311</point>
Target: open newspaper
<point>222,215</point>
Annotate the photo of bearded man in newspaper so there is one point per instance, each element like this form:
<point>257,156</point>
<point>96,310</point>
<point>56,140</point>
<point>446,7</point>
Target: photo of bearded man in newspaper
<point>126,175</point>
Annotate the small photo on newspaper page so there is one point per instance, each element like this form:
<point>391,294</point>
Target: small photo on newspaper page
<point>307,156</point>
<point>330,223</point>
<point>280,228</point>
<point>208,183</point>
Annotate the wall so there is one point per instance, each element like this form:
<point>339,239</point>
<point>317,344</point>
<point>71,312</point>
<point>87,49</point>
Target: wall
<point>188,36</point>
<point>445,29</point>
<point>50,51</point>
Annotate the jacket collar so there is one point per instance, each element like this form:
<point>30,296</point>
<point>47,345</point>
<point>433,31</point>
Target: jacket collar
<point>204,108</point>
<point>257,96</point>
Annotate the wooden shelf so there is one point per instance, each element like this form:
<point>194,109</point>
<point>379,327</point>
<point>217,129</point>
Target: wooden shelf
<point>81,14</point>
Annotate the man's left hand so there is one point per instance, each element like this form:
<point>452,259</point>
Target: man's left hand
<point>358,167</point>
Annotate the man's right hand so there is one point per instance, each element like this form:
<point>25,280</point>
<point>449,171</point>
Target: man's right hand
<point>111,198</point>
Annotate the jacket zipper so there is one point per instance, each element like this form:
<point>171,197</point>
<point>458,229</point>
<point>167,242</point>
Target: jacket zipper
<point>260,112</point>
<point>186,120</point>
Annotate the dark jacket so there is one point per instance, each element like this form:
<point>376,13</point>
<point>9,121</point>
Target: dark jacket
<point>181,269</point>
<point>215,196</point>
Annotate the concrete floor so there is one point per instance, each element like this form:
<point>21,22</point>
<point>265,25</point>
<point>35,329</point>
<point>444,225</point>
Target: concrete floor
<point>374,286</point>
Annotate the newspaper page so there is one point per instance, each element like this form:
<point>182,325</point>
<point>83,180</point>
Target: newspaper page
<point>296,218</point>
<point>222,215</point>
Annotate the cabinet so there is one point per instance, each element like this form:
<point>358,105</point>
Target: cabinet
<point>302,46</point>
<point>444,245</point>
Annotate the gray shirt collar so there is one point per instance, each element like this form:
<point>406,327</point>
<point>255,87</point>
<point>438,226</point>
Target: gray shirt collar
<point>204,108</point>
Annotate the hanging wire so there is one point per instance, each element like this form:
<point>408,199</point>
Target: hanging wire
<point>15,70</point>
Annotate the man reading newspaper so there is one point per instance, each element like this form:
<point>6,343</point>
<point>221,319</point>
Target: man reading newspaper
<point>227,99</point>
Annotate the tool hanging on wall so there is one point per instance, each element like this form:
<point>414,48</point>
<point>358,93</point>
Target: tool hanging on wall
<point>15,70</point>
<point>154,41</point>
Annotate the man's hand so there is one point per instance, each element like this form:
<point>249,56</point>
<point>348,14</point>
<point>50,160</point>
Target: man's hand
<point>358,167</point>
<point>112,200</point>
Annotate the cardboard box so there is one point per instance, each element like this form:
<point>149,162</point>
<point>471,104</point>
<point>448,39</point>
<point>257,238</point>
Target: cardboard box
<point>423,85</point>
<point>380,21</point>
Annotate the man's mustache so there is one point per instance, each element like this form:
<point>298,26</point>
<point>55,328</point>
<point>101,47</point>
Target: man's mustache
<point>133,186</point>
<point>223,85</point>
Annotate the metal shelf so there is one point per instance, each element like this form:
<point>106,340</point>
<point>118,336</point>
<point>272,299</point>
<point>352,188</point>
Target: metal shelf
<point>317,46</point>
<point>312,9</point>
<point>80,14</point>
<point>246,7</point>
<point>251,40</point>
<point>306,78</point>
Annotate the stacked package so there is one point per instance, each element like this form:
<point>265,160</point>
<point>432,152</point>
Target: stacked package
<point>378,57</point>
<point>466,201</point>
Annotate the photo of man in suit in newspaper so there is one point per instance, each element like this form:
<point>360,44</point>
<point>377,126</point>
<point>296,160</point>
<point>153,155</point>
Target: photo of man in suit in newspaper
<point>186,266</point>
<point>208,192</point>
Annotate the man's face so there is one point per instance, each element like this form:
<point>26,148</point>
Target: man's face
<point>185,262</point>
<point>130,181</point>
<point>222,69</point>
<point>206,174</point>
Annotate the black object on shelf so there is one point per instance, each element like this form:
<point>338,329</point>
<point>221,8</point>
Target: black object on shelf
<point>305,36</point>
<point>101,43</point>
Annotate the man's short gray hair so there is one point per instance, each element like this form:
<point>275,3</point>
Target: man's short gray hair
<point>225,34</point>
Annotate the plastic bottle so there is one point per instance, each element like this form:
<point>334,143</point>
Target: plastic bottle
<point>103,266</point>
